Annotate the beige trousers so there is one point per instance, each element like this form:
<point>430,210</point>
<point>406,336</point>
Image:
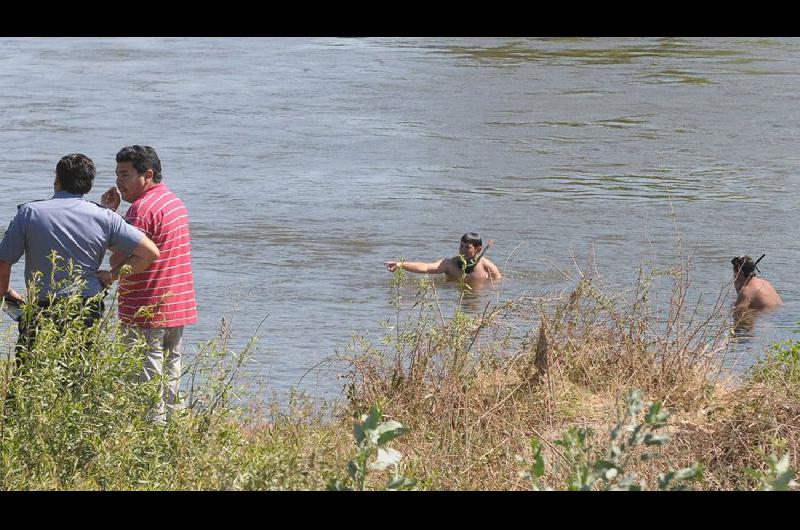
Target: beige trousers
<point>163,358</point>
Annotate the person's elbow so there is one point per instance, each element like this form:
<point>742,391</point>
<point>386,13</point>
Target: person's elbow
<point>153,252</point>
<point>147,251</point>
<point>5,269</point>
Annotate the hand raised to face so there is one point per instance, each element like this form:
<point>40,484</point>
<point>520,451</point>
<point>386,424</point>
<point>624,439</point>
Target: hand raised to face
<point>111,199</point>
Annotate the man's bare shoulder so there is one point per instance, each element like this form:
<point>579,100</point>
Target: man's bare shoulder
<point>750,289</point>
<point>488,264</point>
<point>759,294</point>
<point>758,285</point>
<point>768,293</point>
<point>769,286</point>
<point>452,265</point>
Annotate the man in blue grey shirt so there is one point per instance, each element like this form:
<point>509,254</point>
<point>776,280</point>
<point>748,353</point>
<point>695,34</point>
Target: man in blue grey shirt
<point>77,230</point>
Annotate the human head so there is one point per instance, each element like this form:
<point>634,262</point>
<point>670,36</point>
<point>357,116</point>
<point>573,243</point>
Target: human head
<point>142,157</point>
<point>744,265</point>
<point>75,173</point>
<point>138,168</point>
<point>471,244</point>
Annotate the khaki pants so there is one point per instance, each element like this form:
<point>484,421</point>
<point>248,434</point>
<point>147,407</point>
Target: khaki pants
<point>163,357</point>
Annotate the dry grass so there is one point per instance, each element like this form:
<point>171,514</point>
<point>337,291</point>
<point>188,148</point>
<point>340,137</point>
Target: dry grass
<point>473,394</point>
<point>473,390</point>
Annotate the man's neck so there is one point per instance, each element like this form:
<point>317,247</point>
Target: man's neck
<point>741,281</point>
<point>147,190</point>
<point>63,193</point>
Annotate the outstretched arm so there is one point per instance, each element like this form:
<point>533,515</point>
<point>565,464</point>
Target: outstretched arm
<point>436,267</point>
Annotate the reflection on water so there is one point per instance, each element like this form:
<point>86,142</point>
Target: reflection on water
<point>756,331</point>
<point>449,295</point>
<point>473,297</point>
<point>744,324</point>
<point>587,52</point>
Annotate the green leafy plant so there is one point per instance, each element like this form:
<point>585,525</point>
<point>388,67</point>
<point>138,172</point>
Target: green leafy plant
<point>76,415</point>
<point>536,471</point>
<point>370,439</point>
<point>779,475</point>
<point>587,471</point>
<point>782,362</point>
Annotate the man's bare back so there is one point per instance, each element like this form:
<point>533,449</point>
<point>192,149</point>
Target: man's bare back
<point>758,294</point>
<point>752,292</point>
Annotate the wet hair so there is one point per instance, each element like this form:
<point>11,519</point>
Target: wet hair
<point>472,238</point>
<point>76,173</point>
<point>142,157</point>
<point>745,265</point>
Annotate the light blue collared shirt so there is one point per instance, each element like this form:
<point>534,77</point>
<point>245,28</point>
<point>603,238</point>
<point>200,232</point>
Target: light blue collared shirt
<point>77,229</point>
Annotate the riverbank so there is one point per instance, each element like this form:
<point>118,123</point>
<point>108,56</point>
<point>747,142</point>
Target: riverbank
<point>463,403</point>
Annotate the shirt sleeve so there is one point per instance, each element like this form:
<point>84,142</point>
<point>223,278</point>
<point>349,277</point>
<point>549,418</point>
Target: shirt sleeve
<point>124,237</point>
<point>13,245</point>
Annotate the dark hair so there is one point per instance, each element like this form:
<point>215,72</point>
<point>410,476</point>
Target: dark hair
<point>76,173</point>
<point>142,157</point>
<point>472,238</point>
<point>744,265</point>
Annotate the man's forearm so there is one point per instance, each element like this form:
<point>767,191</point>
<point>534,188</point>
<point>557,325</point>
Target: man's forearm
<point>115,259</point>
<point>142,257</point>
<point>137,264</point>
<point>413,266</point>
<point>5,277</point>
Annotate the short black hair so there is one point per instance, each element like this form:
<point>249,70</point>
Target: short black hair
<point>142,157</point>
<point>744,265</point>
<point>472,238</point>
<point>76,173</point>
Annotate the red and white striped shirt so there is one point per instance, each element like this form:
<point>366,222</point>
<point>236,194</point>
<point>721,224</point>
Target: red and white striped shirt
<point>163,295</point>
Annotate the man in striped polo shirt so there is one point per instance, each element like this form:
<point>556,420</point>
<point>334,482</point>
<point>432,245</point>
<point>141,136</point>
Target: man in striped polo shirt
<point>157,303</point>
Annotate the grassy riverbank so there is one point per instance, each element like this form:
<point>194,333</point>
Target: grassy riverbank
<point>524,395</point>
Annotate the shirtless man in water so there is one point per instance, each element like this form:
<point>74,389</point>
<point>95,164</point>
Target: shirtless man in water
<point>469,263</point>
<point>753,293</point>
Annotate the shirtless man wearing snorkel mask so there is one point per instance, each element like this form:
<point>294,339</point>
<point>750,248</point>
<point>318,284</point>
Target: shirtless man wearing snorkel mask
<point>470,264</point>
<point>752,292</point>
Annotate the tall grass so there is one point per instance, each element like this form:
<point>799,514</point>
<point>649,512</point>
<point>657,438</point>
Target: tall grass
<point>77,416</point>
<point>469,393</point>
<point>474,390</point>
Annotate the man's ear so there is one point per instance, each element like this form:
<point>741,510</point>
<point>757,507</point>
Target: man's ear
<point>148,175</point>
<point>57,183</point>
